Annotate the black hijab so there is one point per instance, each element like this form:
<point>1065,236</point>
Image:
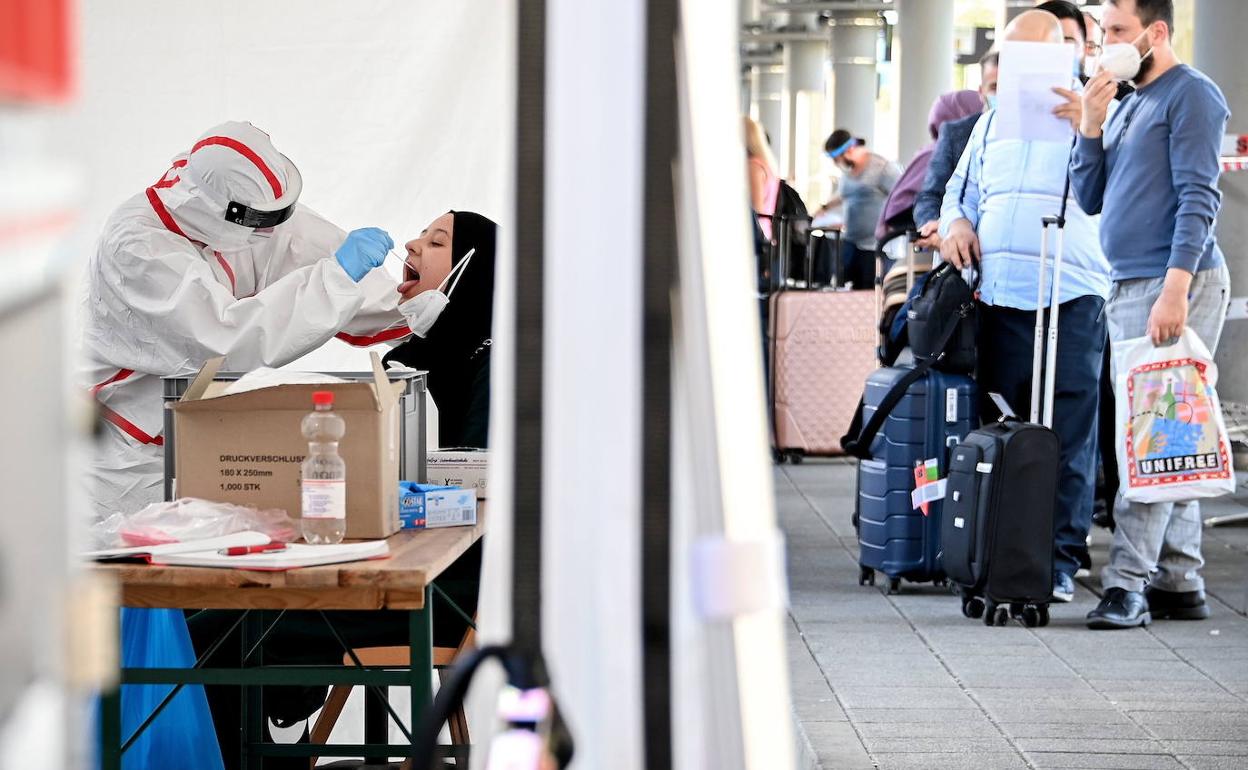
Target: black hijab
<point>464,326</point>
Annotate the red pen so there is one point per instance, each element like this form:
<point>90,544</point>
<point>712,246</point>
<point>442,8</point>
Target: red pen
<point>242,550</point>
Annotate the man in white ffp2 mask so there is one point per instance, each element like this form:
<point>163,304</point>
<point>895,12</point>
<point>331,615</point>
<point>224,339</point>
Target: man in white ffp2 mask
<point>1151,170</point>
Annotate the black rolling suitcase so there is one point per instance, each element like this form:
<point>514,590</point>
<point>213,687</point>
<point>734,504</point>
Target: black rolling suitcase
<point>997,531</point>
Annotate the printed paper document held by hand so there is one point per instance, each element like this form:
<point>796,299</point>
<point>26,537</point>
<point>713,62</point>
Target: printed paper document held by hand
<point>1028,74</point>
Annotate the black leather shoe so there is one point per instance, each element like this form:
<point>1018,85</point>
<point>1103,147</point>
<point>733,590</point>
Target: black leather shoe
<point>1176,605</point>
<point>1120,609</point>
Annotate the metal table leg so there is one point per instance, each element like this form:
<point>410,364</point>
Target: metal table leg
<point>376,723</point>
<point>420,630</point>
<point>251,711</point>
<point>110,729</point>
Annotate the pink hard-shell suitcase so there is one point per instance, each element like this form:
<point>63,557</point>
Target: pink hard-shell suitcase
<point>823,343</point>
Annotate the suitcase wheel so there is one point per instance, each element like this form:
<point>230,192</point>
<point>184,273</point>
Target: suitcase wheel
<point>795,457</point>
<point>972,607</point>
<point>1036,615</point>
<point>894,585</point>
<point>996,615</point>
<point>866,575</point>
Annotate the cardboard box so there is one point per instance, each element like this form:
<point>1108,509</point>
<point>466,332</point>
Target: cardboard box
<point>247,448</point>
<point>429,506</point>
<point>467,468</point>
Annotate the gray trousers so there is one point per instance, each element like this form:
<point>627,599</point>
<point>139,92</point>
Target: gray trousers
<point>1158,544</point>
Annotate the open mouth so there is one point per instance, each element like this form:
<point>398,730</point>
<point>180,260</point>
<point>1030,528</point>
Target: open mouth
<point>411,278</point>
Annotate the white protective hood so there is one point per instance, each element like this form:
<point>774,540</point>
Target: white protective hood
<point>233,162</point>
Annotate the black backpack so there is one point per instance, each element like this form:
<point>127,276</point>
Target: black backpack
<point>942,327</point>
<point>944,296</point>
<point>789,205</point>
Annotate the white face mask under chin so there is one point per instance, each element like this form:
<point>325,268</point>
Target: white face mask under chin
<point>423,310</point>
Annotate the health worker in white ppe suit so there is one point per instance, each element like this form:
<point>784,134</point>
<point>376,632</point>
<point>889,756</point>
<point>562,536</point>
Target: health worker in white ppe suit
<point>217,258</point>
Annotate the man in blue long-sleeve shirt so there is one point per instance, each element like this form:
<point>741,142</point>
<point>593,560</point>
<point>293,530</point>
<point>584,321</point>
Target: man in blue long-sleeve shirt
<point>1153,177</point>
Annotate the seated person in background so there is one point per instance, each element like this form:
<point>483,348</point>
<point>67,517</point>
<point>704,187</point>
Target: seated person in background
<point>453,258</point>
<point>992,212</point>
<point>950,143</point>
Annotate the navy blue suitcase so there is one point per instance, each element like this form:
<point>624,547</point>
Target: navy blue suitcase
<point>937,411</point>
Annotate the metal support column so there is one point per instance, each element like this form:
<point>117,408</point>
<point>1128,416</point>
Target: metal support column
<point>769,103</point>
<point>803,65</point>
<point>854,41</point>
<point>1219,54</point>
<point>1219,25</point>
<point>925,56</point>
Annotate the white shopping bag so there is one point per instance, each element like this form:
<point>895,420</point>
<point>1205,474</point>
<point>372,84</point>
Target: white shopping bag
<point>1171,440</point>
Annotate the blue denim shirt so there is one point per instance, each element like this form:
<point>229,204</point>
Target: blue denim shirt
<point>1010,185</point>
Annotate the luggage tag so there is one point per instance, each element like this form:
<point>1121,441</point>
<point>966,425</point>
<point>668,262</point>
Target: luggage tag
<point>928,486</point>
<point>1003,406</point>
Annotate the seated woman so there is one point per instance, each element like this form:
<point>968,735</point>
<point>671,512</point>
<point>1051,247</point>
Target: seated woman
<point>448,299</point>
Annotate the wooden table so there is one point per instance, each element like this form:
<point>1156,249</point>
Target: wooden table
<point>403,581</point>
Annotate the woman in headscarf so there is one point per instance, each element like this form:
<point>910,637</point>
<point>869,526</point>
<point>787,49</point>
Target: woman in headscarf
<point>898,207</point>
<point>448,299</point>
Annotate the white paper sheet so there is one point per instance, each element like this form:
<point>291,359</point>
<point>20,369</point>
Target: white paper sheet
<point>1025,100</point>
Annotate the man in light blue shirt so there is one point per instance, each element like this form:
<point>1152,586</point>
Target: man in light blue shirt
<point>992,213</point>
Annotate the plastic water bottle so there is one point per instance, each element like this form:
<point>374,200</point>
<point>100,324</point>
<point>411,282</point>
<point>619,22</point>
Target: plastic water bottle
<point>324,474</point>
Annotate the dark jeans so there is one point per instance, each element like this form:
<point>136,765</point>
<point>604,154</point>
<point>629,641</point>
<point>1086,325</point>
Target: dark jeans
<point>1005,358</point>
<point>1106,438</point>
<point>857,267</point>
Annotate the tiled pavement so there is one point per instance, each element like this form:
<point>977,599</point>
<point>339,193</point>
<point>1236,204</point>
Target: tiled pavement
<point>904,681</point>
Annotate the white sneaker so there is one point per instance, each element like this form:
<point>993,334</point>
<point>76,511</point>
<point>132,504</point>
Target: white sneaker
<point>1063,588</point>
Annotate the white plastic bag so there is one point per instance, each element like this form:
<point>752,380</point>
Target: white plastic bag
<point>1171,440</point>
<point>189,518</point>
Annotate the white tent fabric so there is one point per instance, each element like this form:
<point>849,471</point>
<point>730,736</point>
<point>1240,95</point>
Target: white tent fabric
<point>591,466</point>
<point>731,707</point>
<point>732,675</point>
<point>394,111</point>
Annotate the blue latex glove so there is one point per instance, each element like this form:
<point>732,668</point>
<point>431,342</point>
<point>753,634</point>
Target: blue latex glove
<point>363,250</point>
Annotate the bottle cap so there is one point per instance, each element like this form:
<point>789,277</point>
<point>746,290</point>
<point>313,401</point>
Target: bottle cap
<point>323,398</point>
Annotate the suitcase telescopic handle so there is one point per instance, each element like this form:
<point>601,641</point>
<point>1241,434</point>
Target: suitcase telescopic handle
<point>1047,377</point>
